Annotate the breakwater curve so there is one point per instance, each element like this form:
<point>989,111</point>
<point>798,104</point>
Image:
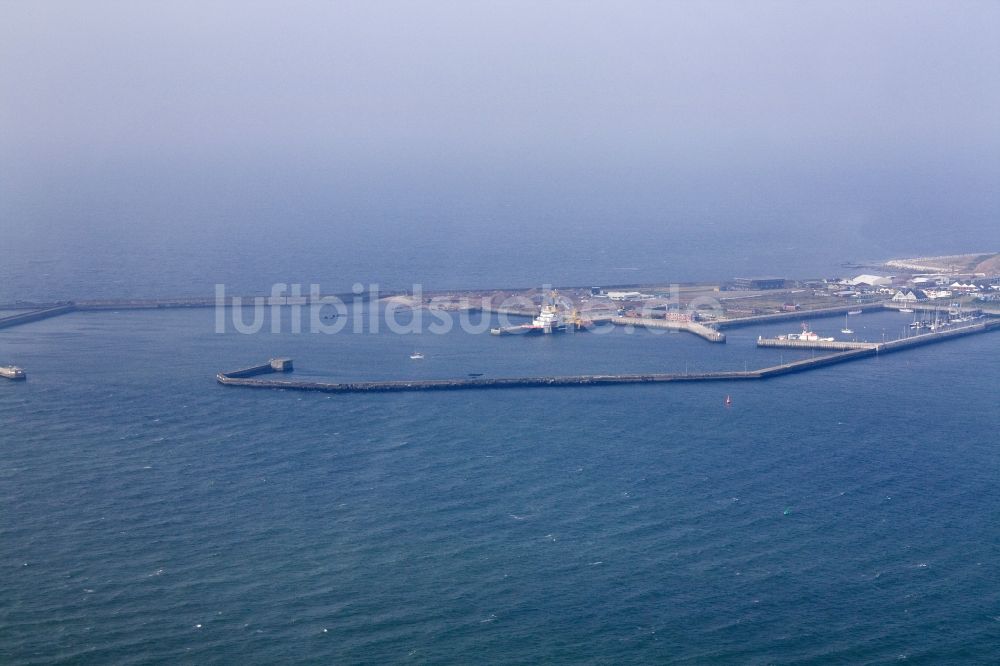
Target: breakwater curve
<point>256,376</point>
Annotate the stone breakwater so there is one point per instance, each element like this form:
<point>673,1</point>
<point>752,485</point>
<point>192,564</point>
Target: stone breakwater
<point>251,377</point>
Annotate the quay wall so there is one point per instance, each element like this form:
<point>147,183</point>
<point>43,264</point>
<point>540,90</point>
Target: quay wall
<point>700,330</point>
<point>833,345</point>
<point>924,306</point>
<point>510,312</point>
<point>796,315</point>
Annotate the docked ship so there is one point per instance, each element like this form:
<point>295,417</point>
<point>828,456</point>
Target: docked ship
<point>12,372</point>
<point>806,335</point>
<point>549,320</point>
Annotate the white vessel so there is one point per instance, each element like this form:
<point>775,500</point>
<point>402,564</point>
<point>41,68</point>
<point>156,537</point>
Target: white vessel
<point>12,372</point>
<point>416,356</point>
<point>806,335</point>
<point>847,330</point>
<point>549,320</point>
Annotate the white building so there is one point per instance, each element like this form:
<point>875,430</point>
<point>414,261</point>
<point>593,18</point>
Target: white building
<point>872,280</point>
<point>909,296</point>
<point>625,295</point>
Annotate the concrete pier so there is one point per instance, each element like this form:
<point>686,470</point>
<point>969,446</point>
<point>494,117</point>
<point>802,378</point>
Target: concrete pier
<point>702,331</point>
<point>827,345</point>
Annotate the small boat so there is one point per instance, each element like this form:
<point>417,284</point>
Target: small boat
<point>416,356</point>
<point>854,312</point>
<point>906,310</point>
<point>475,374</point>
<point>729,401</point>
<point>12,372</point>
<point>847,329</point>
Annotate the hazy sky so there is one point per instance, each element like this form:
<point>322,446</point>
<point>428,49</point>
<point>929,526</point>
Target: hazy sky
<point>147,106</point>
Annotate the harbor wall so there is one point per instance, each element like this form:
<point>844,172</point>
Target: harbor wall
<point>814,363</point>
<point>248,377</point>
<point>938,336</point>
<point>35,315</point>
<point>229,379</point>
<point>228,301</point>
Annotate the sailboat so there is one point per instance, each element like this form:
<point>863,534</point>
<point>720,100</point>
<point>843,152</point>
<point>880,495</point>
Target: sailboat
<point>847,329</point>
<point>938,324</point>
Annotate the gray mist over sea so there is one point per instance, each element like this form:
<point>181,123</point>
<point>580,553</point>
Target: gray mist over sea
<point>157,149</point>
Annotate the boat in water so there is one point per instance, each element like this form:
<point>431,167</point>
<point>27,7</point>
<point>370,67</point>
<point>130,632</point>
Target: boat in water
<point>854,312</point>
<point>416,356</point>
<point>847,330</point>
<point>906,310</point>
<point>12,372</point>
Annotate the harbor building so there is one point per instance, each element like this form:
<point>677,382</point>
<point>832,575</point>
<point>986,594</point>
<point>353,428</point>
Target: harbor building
<point>625,295</point>
<point>759,283</point>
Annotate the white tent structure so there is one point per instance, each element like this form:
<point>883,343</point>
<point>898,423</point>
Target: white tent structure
<point>872,280</point>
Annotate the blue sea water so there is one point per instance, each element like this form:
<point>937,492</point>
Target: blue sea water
<point>149,515</point>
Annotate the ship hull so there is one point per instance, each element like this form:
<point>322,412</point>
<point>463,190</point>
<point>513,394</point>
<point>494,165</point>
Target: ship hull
<point>546,330</point>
